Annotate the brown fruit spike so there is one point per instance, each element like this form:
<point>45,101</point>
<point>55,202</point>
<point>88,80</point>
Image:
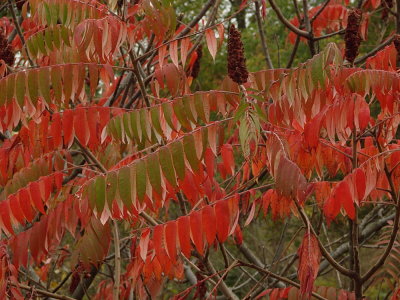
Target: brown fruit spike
<point>6,52</point>
<point>237,70</point>
<point>352,36</point>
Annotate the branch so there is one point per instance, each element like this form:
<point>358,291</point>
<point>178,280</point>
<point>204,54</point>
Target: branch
<point>117,267</point>
<point>324,252</point>
<point>18,28</point>
<point>43,292</point>
<point>196,19</point>
<point>287,23</point>
<point>139,77</point>
<point>373,51</point>
<point>388,249</point>
<point>319,11</point>
<point>280,278</point>
<point>262,37</point>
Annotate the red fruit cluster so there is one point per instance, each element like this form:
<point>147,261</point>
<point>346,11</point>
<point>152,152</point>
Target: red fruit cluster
<point>237,70</point>
<point>6,52</point>
<point>352,36</point>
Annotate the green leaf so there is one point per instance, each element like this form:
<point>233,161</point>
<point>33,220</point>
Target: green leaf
<point>180,115</point>
<point>20,88</point>
<point>10,86</point>
<point>40,42</point>
<point>56,37</point>
<point>141,179</point>
<point>153,171</point>
<point>65,35</point>
<point>127,127</point>
<point>44,79</point>
<point>190,152</point>
<point>155,120</point>
<point>3,87</point>
<point>190,110</point>
<point>100,193</point>
<point>167,109</point>
<point>240,110</point>
<point>317,70</point>
<point>33,86</point>
<point>31,45</point>
<point>167,165</point>
<point>124,186</point>
<point>200,108</point>
<point>135,126</point>
<point>56,83</point>
<point>178,159</point>
<point>145,125</point>
<point>48,37</point>
<point>111,188</point>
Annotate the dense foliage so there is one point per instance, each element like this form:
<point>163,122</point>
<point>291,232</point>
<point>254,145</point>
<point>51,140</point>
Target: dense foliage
<point>158,149</point>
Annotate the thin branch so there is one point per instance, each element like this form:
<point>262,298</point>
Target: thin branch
<point>287,23</point>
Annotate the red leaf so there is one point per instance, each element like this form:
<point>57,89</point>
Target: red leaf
<point>331,208</point>
<point>211,42</point>
<point>170,240</point>
<point>184,235</point>
<point>5,217</point>
<point>209,224</point>
<point>185,43</point>
<point>360,181</point>
<point>81,126</point>
<point>196,231</point>
<point>309,258</point>
<point>223,220</point>
<point>144,243</point>
<point>342,193</point>
<point>227,158</point>
<point>16,209</point>
<point>68,127</point>
<point>56,130</point>
<point>25,204</point>
<point>158,234</point>
<point>36,196</point>
<point>209,159</point>
<point>173,52</point>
